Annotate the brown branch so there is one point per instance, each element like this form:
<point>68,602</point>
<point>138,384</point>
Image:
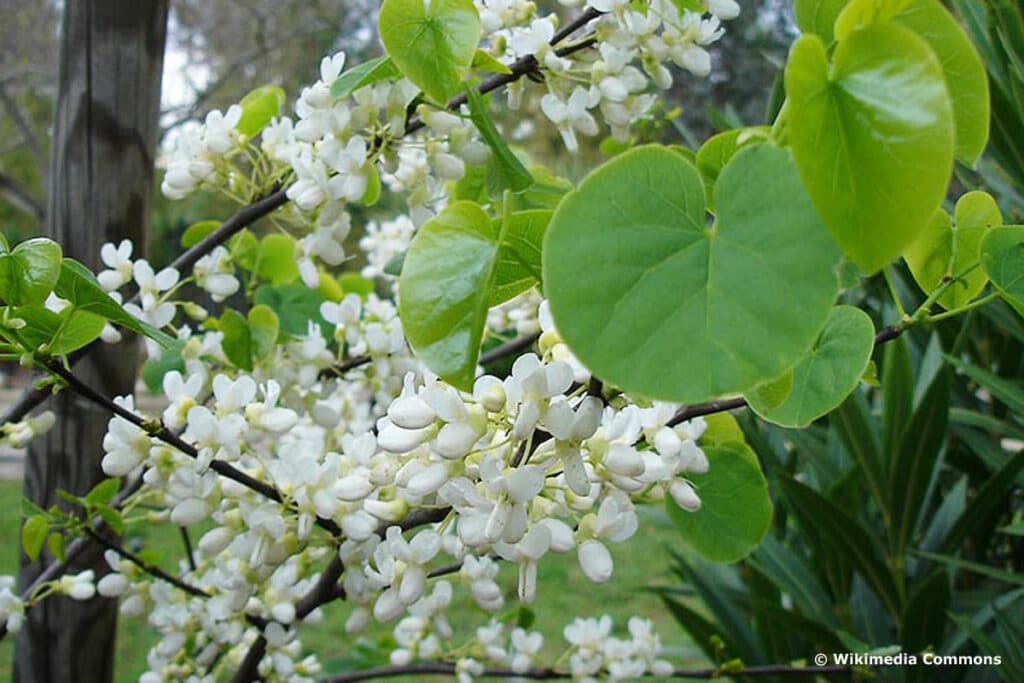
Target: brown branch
<point>23,126</point>
<point>147,567</point>
<point>498,352</point>
<point>548,674</point>
<point>171,439</point>
<point>30,399</point>
<point>20,198</point>
<point>885,335</point>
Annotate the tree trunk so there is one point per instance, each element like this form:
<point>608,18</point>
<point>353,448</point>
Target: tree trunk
<point>101,171</point>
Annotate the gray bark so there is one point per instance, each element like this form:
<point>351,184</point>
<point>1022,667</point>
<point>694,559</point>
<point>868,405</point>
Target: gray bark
<point>101,171</point>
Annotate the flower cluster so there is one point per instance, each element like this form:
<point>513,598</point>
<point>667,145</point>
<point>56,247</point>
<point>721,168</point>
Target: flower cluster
<point>514,494</point>
<point>411,476</point>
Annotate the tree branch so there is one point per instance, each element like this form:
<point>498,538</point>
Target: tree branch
<point>885,335</point>
<point>22,124</point>
<point>150,569</point>
<point>20,198</point>
<point>171,439</point>
<point>548,674</point>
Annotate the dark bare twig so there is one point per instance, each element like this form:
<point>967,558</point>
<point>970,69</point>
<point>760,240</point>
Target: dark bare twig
<point>885,335</point>
<point>547,674</point>
<point>171,439</point>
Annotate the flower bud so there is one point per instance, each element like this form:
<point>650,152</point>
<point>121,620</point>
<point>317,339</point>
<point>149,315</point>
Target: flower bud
<point>684,495</point>
<point>411,413</point>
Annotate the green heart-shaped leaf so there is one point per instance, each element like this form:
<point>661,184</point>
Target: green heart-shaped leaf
<point>656,303</point>
<point>716,152</point>
<point>1002,257</point>
<point>736,509</point>
<point>817,16</point>
<point>431,44</point>
<point>827,374</point>
<point>943,250</point>
<point>963,69</point>
<point>872,134</point>
<point>29,272</point>
<point>446,286</point>
<point>961,65</point>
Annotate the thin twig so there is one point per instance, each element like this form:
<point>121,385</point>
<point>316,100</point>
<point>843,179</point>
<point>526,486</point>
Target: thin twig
<point>548,674</point>
<point>171,439</point>
<point>885,335</point>
<point>147,567</point>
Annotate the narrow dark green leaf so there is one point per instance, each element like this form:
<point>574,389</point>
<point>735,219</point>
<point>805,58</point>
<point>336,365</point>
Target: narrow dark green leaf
<point>852,423</point>
<point>897,395</point>
<point>985,502</point>
<point>788,572</point>
<point>916,458</point>
<point>841,534</point>
<point>923,622</point>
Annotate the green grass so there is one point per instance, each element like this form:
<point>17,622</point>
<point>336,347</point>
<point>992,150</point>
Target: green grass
<point>563,593</point>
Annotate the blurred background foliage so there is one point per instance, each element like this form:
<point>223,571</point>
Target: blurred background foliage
<point>898,518</point>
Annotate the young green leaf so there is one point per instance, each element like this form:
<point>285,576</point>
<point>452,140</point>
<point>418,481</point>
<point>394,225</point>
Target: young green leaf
<point>362,75</point>
<point>639,286</point>
<point>77,329</point>
<point>154,369</point>
<point>827,374</point>
<point>1002,257</point>
<point>104,491</point>
<point>484,61</point>
<point>296,307</point>
<point>264,328</point>
<point>195,233</point>
<point>872,135</point>
<point>432,43</point>
<point>79,286</point>
<point>259,106</point>
<point>735,510</point>
<point>33,535</point>
<point>237,342</point>
<point>446,286</point>
<point>276,259</point>
<point>942,250</point>
<point>56,544</point>
<point>29,272</point>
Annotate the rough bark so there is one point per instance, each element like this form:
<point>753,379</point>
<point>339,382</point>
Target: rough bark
<point>101,170</point>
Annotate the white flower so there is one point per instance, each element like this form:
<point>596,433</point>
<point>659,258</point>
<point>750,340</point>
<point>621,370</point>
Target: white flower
<point>723,9</point>
<point>220,134</point>
<point>19,434</point>
<point>215,274</point>
<point>570,116</point>
<point>125,445</point>
<point>181,396</point>
<point>112,585</point>
<point>78,586</point>
<point>119,263</point>
<point>267,414</point>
